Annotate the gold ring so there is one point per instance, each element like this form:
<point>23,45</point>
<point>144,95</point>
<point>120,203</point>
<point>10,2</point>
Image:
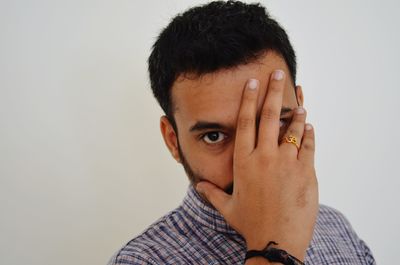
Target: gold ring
<point>292,140</point>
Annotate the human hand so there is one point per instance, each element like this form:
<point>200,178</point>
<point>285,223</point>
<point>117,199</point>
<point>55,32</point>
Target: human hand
<point>275,194</point>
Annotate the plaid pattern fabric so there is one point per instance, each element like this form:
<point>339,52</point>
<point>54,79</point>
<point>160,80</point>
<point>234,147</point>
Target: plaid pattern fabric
<point>195,233</point>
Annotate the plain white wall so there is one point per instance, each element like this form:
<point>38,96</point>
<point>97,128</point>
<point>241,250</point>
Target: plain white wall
<point>83,168</point>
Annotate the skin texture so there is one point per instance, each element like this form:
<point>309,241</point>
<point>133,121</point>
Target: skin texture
<point>216,98</point>
<point>275,184</point>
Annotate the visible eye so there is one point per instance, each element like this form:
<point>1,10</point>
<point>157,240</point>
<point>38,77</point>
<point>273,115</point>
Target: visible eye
<point>283,122</point>
<point>213,137</point>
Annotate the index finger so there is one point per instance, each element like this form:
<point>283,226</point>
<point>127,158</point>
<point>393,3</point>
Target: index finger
<point>246,122</point>
<point>268,132</point>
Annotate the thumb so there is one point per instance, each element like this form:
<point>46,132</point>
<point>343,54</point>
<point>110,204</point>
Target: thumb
<point>216,196</point>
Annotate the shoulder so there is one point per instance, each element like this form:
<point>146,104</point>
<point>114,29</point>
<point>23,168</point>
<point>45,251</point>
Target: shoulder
<point>131,259</point>
<point>154,245</point>
<point>333,223</point>
<point>335,241</point>
<point>333,217</point>
<point>136,251</point>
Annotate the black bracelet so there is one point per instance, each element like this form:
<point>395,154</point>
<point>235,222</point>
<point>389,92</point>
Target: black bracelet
<point>274,255</point>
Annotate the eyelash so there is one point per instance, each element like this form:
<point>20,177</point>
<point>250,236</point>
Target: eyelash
<point>285,122</point>
<point>203,136</point>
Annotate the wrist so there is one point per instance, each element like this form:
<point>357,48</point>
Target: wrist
<point>257,261</point>
<point>274,254</point>
<point>294,250</point>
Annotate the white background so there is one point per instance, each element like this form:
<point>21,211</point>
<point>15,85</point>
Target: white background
<point>83,168</point>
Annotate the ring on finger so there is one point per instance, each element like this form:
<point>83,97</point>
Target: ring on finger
<point>292,140</point>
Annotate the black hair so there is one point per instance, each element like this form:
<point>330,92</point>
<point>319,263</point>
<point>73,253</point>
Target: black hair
<point>210,37</point>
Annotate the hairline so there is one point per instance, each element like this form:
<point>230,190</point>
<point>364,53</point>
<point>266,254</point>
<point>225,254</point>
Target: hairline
<point>195,76</point>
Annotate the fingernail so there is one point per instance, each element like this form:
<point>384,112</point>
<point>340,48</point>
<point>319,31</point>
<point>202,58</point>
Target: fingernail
<point>278,75</point>
<point>300,110</point>
<point>253,84</point>
<point>308,127</point>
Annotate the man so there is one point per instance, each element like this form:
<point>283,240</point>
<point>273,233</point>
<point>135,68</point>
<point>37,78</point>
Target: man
<point>225,75</point>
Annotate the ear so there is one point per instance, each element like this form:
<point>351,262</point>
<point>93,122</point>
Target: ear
<point>170,137</point>
<point>299,95</point>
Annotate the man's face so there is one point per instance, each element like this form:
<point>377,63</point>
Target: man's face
<point>205,112</point>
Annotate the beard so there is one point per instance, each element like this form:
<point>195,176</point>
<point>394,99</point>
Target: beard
<point>195,177</point>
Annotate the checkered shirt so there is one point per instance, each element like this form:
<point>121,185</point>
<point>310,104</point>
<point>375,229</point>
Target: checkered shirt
<point>195,233</point>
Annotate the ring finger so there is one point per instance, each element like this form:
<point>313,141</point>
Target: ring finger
<point>291,140</point>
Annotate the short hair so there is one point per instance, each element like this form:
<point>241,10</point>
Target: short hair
<point>207,38</point>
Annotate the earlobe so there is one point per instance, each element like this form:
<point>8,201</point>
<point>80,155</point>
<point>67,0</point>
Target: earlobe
<point>299,95</point>
<point>170,137</point>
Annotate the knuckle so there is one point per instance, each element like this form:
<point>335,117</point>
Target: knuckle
<point>299,117</point>
<point>298,120</point>
<point>292,131</point>
<point>269,114</point>
<point>245,123</point>
<point>275,87</point>
<point>310,135</point>
<point>249,97</point>
<point>268,155</point>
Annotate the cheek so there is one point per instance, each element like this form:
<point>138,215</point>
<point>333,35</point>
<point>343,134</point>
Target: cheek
<point>220,169</point>
<point>216,167</point>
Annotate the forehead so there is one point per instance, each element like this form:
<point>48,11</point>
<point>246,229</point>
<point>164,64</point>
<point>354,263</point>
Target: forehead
<point>216,97</point>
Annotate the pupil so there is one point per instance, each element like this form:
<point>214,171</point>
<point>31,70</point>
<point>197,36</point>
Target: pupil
<point>213,136</point>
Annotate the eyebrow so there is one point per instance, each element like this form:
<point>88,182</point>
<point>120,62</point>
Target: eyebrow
<point>206,125</point>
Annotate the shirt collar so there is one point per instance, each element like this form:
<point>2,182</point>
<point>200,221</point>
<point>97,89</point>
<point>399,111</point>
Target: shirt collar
<point>204,213</point>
